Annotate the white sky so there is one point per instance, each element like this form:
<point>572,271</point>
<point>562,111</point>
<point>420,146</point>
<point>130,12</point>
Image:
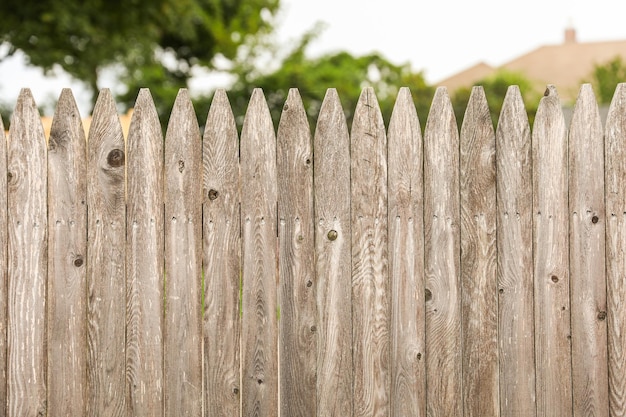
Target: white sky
<point>440,37</point>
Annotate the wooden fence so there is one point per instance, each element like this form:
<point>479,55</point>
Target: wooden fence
<point>478,273</point>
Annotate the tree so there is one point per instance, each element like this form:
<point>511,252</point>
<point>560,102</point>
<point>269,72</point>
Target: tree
<point>146,40</point>
<point>312,76</point>
<point>496,86</point>
<point>605,78</point>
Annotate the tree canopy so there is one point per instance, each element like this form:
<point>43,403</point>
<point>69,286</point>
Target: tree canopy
<point>605,78</point>
<point>169,37</point>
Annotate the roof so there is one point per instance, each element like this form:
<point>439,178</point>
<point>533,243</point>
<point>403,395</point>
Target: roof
<point>566,65</point>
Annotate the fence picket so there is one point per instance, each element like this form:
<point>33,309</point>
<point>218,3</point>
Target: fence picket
<point>515,259</point>
<point>182,339</point>
<point>298,321</point>
<point>222,260</point>
<point>550,253</point>
<point>67,253</point>
<point>259,269</point>
<point>442,259</point>
<point>406,260</point>
<point>615,154</point>
<point>106,227</point>
<point>370,281</point>
<point>478,260</point>
<point>3,271</point>
<point>27,260</point>
<point>333,280</point>
<point>144,261</point>
<point>587,257</point>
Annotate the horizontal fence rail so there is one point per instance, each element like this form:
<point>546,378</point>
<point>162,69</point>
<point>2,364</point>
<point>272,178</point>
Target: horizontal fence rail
<point>377,271</point>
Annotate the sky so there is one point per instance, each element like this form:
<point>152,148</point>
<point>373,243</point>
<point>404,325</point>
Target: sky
<point>438,37</point>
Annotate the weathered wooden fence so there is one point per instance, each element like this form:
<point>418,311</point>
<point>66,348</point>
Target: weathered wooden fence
<point>385,274</point>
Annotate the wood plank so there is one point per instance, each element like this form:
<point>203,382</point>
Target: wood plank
<point>587,258</point>
<point>106,304</point>
<point>3,271</point>
<point>182,339</point>
<point>296,266</point>
<point>67,269</point>
<point>370,279</point>
<point>27,260</point>
<point>479,281</point>
<point>222,260</point>
<point>615,174</point>
<point>515,258</point>
<point>442,259</point>
<point>258,218</point>
<point>406,259</point>
<point>144,261</point>
<point>550,253</point>
<point>333,259</point>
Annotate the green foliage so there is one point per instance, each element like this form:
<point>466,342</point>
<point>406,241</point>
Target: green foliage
<point>495,87</point>
<point>312,76</point>
<point>605,78</point>
<point>151,40</point>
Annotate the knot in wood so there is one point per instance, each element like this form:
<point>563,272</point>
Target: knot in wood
<point>78,262</point>
<point>213,194</point>
<point>332,235</point>
<point>115,158</point>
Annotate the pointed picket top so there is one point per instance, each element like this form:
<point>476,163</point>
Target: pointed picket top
<point>477,115</point>
<point>332,263</point>
<point>144,125</point>
<point>293,120</point>
<point>368,151</point>
<point>615,153</point>
<point>105,123</point>
<point>182,123</point>
<point>221,152</point>
<point>549,112</point>
<point>513,119</point>
<point>26,124</point>
<point>258,119</point>
<point>586,113</point>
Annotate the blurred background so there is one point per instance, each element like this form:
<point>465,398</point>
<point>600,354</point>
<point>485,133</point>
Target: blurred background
<point>202,45</point>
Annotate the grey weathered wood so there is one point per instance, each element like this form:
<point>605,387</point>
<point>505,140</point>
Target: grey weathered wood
<point>3,271</point>
<point>67,258</point>
<point>106,227</point>
<point>258,218</point>
<point>442,259</point>
<point>370,280</point>
<point>615,173</point>
<point>515,259</point>
<point>550,252</point>
<point>406,260</point>
<point>144,261</point>
<point>222,260</point>
<point>296,266</point>
<point>587,256</point>
<point>27,261</point>
<point>182,339</point>
<point>478,260</point>
<point>333,279</point>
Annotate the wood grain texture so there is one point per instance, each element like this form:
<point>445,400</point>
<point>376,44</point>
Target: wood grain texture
<point>106,304</point>
<point>260,262</point>
<point>67,254</point>
<point>615,173</point>
<point>222,260</point>
<point>370,279</point>
<point>442,260</point>
<point>182,339</point>
<point>144,262</point>
<point>479,281</point>
<point>515,259</point>
<point>406,260</point>
<point>333,260</point>
<point>587,258</point>
<point>3,271</point>
<point>296,266</point>
<point>27,261</point>
<point>550,253</point>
